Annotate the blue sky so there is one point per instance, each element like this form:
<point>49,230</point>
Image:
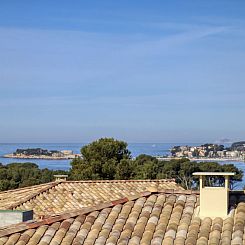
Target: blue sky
<point>140,71</point>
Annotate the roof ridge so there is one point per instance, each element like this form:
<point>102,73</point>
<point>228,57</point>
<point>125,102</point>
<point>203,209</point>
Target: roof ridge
<point>111,181</point>
<point>87,181</point>
<point>26,199</point>
<point>27,187</point>
<point>30,225</point>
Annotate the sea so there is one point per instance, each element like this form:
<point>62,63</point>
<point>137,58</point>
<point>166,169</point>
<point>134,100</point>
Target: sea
<point>153,149</point>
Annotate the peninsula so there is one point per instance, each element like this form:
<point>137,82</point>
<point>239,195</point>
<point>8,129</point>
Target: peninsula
<point>38,153</point>
<point>236,152</point>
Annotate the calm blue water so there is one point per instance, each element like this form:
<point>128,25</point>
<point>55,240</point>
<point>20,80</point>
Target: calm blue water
<point>154,149</point>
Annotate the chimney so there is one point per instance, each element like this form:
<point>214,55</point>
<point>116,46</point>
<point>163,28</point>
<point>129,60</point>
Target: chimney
<point>60,177</point>
<point>214,200</point>
<point>11,217</point>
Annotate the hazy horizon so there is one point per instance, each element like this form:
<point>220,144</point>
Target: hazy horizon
<point>162,71</point>
<point>129,142</point>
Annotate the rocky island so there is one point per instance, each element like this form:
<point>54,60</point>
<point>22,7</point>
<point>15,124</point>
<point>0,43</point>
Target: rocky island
<point>38,153</point>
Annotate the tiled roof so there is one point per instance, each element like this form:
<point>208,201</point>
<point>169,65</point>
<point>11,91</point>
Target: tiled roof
<point>13,197</point>
<point>70,195</point>
<point>144,219</point>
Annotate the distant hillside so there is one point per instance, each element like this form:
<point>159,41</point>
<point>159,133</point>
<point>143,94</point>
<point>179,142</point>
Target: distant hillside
<point>238,146</point>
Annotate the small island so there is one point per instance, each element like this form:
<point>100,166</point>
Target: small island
<point>38,153</point>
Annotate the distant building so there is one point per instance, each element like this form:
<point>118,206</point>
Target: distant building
<point>210,151</point>
<point>67,152</point>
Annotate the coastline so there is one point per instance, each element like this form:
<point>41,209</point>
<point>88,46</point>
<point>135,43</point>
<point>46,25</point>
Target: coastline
<point>42,157</point>
<point>203,159</point>
<point>218,159</point>
<point>70,157</point>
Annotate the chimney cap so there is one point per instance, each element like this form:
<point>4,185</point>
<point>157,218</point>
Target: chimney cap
<point>213,173</point>
<point>61,175</point>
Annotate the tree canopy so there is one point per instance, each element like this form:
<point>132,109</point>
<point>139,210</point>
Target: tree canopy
<point>15,175</point>
<point>109,159</point>
<point>100,159</point>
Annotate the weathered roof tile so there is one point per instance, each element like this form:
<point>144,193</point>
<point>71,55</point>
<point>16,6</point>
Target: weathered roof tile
<point>55,198</point>
<point>142,219</point>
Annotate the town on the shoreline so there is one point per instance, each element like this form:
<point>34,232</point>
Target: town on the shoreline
<point>38,153</point>
<point>211,151</point>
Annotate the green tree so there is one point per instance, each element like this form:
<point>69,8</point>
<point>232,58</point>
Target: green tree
<point>100,159</point>
<point>15,175</point>
<point>125,169</point>
<point>238,174</point>
<point>145,167</point>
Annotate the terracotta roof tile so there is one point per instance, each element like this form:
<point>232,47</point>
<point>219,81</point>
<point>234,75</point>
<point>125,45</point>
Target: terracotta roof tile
<point>17,196</point>
<point>146,219</point>
<point>55,198</point>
